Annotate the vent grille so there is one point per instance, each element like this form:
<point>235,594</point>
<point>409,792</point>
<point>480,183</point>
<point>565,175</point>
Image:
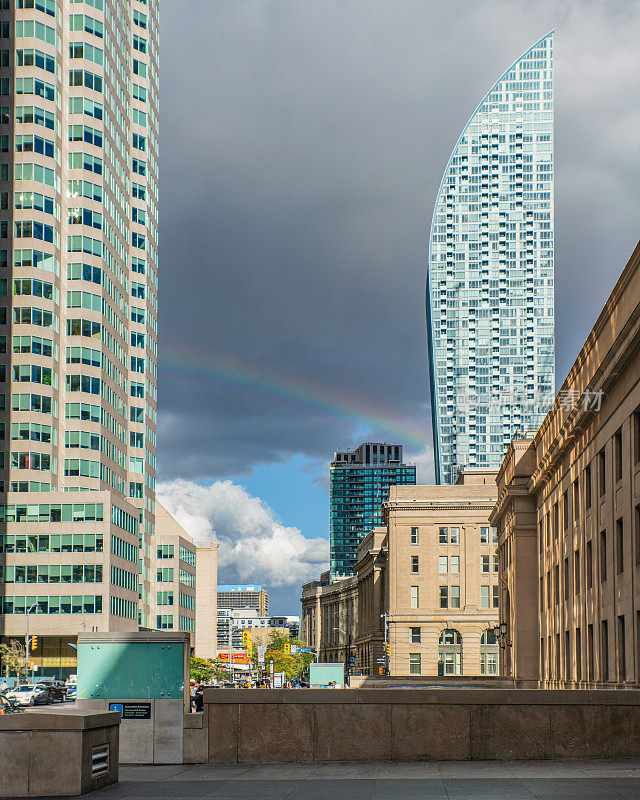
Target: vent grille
<point>99,760</point>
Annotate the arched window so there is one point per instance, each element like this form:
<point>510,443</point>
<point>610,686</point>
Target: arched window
<point>450,652</point>
<point>489,653</point>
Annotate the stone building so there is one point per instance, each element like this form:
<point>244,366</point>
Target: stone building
<point>429,576</point>
<point>568,516</point>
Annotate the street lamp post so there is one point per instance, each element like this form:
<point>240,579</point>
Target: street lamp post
<point>348,635</point>
<point>386,656</point>
<point>27,641</point>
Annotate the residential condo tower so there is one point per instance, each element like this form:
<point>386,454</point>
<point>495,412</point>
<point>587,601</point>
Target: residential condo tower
<point>490,309</point>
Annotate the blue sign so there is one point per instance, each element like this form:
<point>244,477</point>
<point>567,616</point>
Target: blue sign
<point>119,707</point>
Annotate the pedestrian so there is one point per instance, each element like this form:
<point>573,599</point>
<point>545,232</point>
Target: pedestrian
<point>199,698</point>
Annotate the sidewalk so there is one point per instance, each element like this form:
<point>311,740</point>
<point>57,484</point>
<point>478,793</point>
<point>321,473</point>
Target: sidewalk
<point>443,780</point>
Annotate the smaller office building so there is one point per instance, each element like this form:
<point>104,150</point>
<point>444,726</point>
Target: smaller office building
<point>426,583</point>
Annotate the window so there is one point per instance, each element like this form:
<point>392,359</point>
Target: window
<point>637,533</point>
<point>622,661</point>
<point>566,579</point>
<point>547,528</point>
<point>484,597</point>
<point>590,652</point>
<point>565,510</point>
<point>636,436</point>
<point>589,565</point>
<point>619,547</point>
<point>587,488</point>
<point>496,566</point>
<point>484,535</point>
<point>415,666</point>
<point>450,653</point>
<point>556,521</point>
<point>415,635</point>
<point>604,650</point>
<point>484,563</point>
<point>444,597</point>
<point>495,596</point>
<point>442,535</point>
<point>415,597</point>
<point>556,584</point>
<point>454,537</point>
<point>455,564</point>
<point>617,455</point>
<point>414,536</point>
<point>567,656</point>
<point>576,572</point>
<point>442,565</point>
<point>603,556</point>
<point>578,654</point>
<point>602,472</point>
<point>414,564</point>
<point>488,653</point>
<point>455,597</point>
<point>576,500</point>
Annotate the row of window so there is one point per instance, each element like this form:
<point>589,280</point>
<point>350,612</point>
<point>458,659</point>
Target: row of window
<point>56,604</point>
<point>549,526</point>
<point>551,586</point>
<point>52,543</point>
<point>52,512</point>
<point>450,596</point>
<point>52,573</point>
<point>451,535</point>
<point>564,659</point>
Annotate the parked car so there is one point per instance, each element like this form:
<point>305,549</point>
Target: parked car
<point>28,694</point>
<point>71,691</point>
<point>58,691</point>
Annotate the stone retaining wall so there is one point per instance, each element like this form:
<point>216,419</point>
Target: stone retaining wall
<point>54,754</point>
<point>259,726</point>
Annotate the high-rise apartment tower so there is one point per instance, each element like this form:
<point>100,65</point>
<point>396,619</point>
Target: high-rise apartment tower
<point>78,318</point>
<point>359,485</point>
<point>490,275</point>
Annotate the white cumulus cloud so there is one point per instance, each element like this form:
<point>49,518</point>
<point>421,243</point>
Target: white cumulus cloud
<point>255,547</point>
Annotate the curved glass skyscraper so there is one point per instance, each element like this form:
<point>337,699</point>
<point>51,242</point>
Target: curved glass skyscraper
<point>490,273</point>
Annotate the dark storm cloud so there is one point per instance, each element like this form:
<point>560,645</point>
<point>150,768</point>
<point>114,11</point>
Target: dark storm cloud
<point>302,146</point>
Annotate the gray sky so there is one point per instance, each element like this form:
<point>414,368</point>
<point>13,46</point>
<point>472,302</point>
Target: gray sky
<point>302,145</point>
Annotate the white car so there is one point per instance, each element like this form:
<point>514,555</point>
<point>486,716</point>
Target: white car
<point>29,694</point>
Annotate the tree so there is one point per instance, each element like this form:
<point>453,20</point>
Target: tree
<point>201,668</point>
<point>206,669</point>
<point>292,664</point>
<point>14,657</point>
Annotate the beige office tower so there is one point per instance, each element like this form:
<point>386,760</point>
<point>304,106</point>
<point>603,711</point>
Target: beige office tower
<point>78,325</point>
<point>207,599</point>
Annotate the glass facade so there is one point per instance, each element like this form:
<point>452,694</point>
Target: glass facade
<point>359,485</point>
<point>490,305</point>
<point>78,299</point>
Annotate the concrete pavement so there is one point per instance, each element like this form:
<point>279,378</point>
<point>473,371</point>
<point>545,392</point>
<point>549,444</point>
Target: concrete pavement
<point>442,780</point>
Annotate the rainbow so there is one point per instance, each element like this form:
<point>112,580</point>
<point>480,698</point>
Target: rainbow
<point>203,369</point>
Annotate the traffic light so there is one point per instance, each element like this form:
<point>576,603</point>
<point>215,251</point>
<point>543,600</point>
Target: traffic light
<point>388,647</point>
<point>287,648</point>
<point>34,643</point>
<point>246,642</point>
